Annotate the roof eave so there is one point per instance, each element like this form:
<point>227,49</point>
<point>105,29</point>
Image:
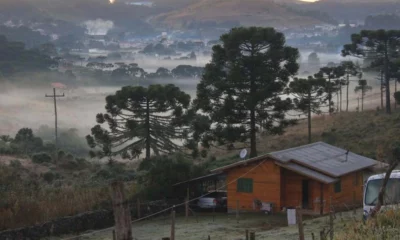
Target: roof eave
<point>240,163</point>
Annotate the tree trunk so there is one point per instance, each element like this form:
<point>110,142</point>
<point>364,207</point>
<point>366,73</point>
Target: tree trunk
<point>148,136</point>
<point>347,94</point>
<point>362,99</point>
<point>382,191</point>
<point>387,81</point>
<point>340,97</point>
<point>329,95</point>
<point>337,102</point>
<point>381,87</point>
<point>253,130</point>
<point>253,143</point>
<point>309,117</point>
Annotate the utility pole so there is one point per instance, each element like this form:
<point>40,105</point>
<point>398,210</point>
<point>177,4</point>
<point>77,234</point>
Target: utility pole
<point>382,90</point>
<point>358,104</point>
<point>395,90</point>
<point>54,96</point>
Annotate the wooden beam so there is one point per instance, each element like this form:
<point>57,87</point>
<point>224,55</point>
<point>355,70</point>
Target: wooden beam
<point>122,214</point>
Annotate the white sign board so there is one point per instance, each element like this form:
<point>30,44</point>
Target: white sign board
<point>291,216</point>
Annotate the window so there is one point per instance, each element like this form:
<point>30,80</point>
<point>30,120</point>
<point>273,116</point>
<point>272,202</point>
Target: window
<point>338,186</point>
<point>245,185</point>
<point>392,194</point>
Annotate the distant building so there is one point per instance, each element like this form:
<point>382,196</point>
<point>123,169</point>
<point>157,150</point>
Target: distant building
<point>144,3</point>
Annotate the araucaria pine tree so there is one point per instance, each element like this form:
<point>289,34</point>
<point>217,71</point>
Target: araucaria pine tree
<point>153,119</point>
<point>241,89</point>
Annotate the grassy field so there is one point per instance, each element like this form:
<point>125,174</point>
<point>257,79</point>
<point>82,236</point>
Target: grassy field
<point>225,227</point>
<point>369,133</point>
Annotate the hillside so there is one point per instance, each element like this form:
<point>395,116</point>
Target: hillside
<point>369,133</point>
<point>248,13</point>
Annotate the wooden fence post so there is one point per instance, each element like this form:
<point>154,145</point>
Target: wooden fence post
<point>138,207</point>
<point>113,234</point>
<point>122,214</point>
<point>354,203</point>
<point>247,234</point>
<point>322,235</point>
<point>299,215</point>
<point>237,211</point>
<point>187,205</point>
<point>173,225</point>
<point>331,233</point>
<point>312,236</point>
<point>252,236</point>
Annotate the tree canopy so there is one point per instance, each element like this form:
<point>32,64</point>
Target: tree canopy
<point>241,87</point>
<point>15,58</point>
<point>138,118</point>
<point>309,96</point>
<point>331,72</point>
<point>382,46</point>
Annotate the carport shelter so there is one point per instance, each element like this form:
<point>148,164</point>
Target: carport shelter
<point>314,177</point>
<point>201,185</point>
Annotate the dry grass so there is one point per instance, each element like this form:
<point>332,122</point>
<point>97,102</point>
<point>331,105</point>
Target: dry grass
<point>385,226</point>
<point>25,208</point>
<point>27,201</point>
<point>368,133</point>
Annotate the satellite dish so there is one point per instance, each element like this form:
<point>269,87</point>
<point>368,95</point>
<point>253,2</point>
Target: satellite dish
<point>243,153</point>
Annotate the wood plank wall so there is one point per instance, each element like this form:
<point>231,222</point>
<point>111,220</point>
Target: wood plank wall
<point>266,186</point>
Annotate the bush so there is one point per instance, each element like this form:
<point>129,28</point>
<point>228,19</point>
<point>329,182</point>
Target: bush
<point>15,164</point>
<point>39,158</point>
<point>49,177</point>
<point>157,175</point>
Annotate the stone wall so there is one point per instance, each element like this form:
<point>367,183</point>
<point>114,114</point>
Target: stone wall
<point>67,225</point>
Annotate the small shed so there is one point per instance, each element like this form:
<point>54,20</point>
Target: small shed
<point>315,177</point>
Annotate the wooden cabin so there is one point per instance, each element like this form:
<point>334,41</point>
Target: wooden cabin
<point>314,177</point>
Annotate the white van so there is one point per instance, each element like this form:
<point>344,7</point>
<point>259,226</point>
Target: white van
<point>373,186</point>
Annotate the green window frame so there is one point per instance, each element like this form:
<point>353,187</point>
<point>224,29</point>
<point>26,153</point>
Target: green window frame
<point>245,185</point>
<point>338,186</point>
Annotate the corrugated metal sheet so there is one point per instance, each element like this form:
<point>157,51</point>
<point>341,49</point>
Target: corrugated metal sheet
<point>324,158</point>
<point>308,172</point>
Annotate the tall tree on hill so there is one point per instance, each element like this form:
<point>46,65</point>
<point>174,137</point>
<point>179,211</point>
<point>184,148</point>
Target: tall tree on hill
<point>138,118</point>
<point>339,83</point>
<point>362,87</point>
<point>350,70</point>
<point>309,96</point>
<point>331,73</point>
<point>381,44</point>
<point>242,86</point>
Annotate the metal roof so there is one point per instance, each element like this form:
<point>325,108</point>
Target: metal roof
<point>325,158</point>
<point>320,157</point>
<point>308,172</point>
<point>215,176</point>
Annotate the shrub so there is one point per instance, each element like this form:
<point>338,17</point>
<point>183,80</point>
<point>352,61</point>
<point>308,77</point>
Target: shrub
<point>15,164</point>
<point>39,158</point>
<point>49,177</point>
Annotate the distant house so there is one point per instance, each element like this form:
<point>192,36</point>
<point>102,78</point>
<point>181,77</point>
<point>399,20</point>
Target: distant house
<point>314,177</point>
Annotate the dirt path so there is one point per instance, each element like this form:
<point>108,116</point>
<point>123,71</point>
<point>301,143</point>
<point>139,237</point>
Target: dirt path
<point>225,227</point>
